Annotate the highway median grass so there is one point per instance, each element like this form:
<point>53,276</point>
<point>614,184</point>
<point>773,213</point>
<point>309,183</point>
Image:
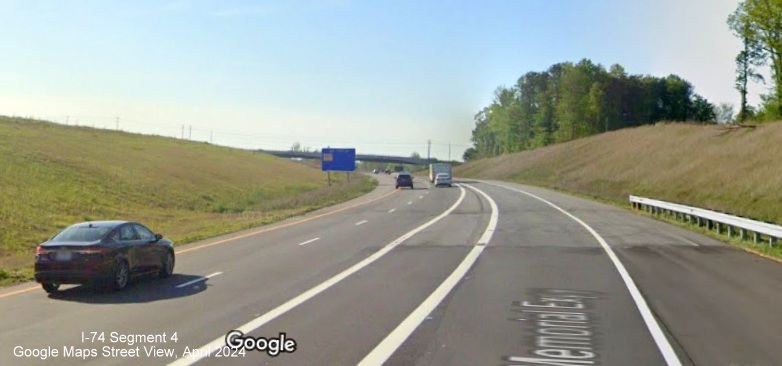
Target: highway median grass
<point>52,176</point>
<point>731,170</point>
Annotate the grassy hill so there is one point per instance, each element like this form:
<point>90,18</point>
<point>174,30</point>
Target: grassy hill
<point>737,171</point>
<point>52,176</point>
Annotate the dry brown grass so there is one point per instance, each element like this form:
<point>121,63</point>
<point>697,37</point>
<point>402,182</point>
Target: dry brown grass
<point>737,171</point>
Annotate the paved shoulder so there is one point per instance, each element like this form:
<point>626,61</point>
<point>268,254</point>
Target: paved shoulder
<point>718,304</point>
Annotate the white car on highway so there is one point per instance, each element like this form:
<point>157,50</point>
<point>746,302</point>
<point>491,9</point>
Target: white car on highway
<point>442,179</point>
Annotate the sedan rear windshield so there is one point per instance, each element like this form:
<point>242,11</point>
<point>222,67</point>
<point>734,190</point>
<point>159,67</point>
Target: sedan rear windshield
<point>81,233</point>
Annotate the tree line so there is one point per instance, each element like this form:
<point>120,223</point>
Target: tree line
<point>574,100</point>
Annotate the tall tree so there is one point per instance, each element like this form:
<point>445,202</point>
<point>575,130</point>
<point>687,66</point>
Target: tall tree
<point>482,137</point>
<point>596,108</point>
<point>759,22</point>
<point>747,60</point>
<point>470,154</point>
<point>702,110</point>
<point>676,99</point>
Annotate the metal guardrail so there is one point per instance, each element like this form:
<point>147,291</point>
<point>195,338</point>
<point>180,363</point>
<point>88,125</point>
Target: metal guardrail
<point>712,219</point>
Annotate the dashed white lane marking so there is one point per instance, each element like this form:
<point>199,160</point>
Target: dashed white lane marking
<point>188,283</point>
<point>219,343</point>
<point>410,202</point>
<point>663,345</point>
<point>309,241</point>
<point>391,210</point>
<point>362,222</point>
<point>391,343</point>
<point>419,197</point>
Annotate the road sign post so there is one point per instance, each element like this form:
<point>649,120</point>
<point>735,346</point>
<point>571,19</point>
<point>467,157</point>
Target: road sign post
<point>338,160</point>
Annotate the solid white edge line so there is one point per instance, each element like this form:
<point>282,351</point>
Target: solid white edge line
<point>646,313</point>
<point>309,241</point>
<point>188,283</point>
<point>362,222</point>
<point>383,351</point>
<point>218,343</point>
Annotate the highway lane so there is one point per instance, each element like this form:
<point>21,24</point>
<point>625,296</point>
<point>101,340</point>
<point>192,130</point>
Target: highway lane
<point>541,275</point>
<point>717,304</point>
<point>341,325</point>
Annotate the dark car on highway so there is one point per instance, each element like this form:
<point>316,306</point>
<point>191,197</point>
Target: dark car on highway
<point>107,252</point>
<point>404,180</point>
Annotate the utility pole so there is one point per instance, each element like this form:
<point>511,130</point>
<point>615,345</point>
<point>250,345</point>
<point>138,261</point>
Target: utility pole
<point>428,151</point>
<point>66,119</point>
<point>449,151</point>
<point>190,134</point>
<point>211,137</point>
<point>183,132</point>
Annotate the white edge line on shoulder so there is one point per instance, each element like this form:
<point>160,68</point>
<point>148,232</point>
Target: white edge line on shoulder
<point>656,331</point>
<point>208,349</point>
<point>383,351</point>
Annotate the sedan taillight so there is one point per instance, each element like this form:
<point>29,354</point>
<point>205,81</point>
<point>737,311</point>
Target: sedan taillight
<point>96,251</point>
<point>41,251</point>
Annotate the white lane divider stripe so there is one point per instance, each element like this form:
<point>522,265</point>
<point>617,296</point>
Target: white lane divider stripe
<point>309,241</point>
<point>218,343</point>
<point>419,197</point>
<point>660,339</point>
<point>391,343</point>
<point>188,283</point>
<point>362,222</point>
<point>410,203</point>
<point>391,210</point>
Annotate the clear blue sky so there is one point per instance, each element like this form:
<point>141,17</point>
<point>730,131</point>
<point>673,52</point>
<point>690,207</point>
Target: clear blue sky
<point>381,76</point>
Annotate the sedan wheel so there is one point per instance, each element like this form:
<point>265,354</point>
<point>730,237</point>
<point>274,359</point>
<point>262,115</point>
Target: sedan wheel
<point>50,287</point>
<point>121,275</point>
<point>168,266</point>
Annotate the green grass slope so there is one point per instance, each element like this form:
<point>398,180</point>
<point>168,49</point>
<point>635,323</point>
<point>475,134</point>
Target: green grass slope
<point>738,171</point>
<point>52,176</point>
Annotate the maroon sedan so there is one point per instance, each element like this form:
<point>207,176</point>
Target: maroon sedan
<point>110,252</point>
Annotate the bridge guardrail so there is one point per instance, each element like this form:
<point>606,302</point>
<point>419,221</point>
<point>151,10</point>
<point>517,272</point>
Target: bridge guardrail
<point>711,218</point>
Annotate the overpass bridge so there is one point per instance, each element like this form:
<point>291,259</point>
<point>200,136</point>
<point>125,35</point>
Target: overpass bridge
<point>359,157</point>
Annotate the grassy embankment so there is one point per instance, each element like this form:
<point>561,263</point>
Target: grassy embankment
<point>735,171</point>
<point>52,176</point>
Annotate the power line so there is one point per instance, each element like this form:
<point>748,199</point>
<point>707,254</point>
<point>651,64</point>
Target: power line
<point>255,140</point>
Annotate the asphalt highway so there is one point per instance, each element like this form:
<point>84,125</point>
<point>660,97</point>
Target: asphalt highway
<point>482,273</point>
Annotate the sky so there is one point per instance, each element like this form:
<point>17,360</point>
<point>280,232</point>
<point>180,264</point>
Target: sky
<point>384,77</point>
